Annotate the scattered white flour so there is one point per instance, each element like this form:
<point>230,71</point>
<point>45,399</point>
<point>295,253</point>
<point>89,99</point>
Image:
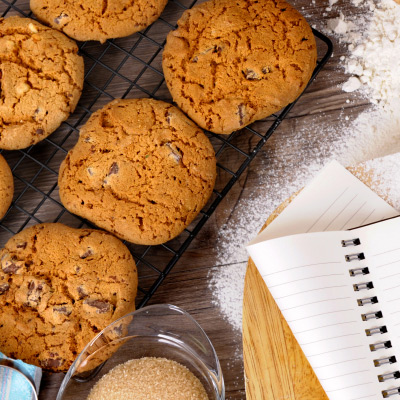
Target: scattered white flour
<point>373,60</point>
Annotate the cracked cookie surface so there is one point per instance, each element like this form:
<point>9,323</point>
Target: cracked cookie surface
<point>59,287</point>
<point>140,169</point>
<point>230,63</point>
<point>98,20</point>
<point>6,186</point>
<point>41,80</point>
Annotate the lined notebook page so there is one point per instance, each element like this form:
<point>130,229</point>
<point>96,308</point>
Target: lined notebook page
<point>334,200</point>
<point>308,277</point>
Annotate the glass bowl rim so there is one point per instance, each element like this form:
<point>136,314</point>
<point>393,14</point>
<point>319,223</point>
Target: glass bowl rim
<point>166,306</point>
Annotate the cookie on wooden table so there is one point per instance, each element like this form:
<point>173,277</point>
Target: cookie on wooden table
<point>59,287</point>
<point>230,63</point>
<point>41,80</point>
<point>98,20</point>
<point>140,170</point>
<point>6,186</point>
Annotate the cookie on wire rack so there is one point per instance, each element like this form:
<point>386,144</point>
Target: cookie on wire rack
<point>6,186</point>
<point>230,63</point>
<point>41,80</point>
<point>59,287</point>
<point>141,170</point>
<point>98,20</point>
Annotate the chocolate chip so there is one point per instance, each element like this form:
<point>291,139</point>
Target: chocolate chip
<point>251,75</point>
<point>81,291</point>
<point>118,330</point>
<point>102,306</point>
<point>266,70</point>
<point>4,287</point>
<point>168,117</point>
<point>90,171</point>
<point>39,131</point>
<point>37,111</point>
<point>217,49</point>
<point>52,362</point>
<point>88,253</point>
<point>304,39</point>
<point>21,245</point>
<point>195,59</point>
<point>174,153</point>
<point>241,112</point>
<point>11,267</point>
<point>34,293</point>
<point>58,19</point>
<point>114,169</point>
<point>62,310</point>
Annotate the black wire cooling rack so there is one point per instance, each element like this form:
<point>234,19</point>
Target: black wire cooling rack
<point>128,68</point>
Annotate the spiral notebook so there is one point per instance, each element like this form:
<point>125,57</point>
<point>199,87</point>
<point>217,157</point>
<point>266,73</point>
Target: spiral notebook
<point>339,290</point>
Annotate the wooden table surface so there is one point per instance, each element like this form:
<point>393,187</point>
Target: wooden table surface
<point>187,286</point>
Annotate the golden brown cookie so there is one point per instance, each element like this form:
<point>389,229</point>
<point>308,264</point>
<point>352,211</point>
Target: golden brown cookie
<point>98,20</point>
<point>6,186</point>
<point>140,170</point>
<point>59,287</point>
<point>41,79</point>
<point>230,63</point>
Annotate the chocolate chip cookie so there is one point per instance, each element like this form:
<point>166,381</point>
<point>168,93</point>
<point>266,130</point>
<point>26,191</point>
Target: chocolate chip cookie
<point>140,170</point>
<point>6,186</point>
<point>41,80</point>
<point>98,20</point>
<point>230,63</point>
<point>59,287</point>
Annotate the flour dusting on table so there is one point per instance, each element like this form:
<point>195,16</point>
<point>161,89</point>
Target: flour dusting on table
<point>373,65</point>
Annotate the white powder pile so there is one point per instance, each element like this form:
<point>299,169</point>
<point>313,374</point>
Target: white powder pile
<point>373,59</point>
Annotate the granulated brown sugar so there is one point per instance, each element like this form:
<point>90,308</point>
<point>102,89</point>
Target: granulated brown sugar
<point>149,378</point>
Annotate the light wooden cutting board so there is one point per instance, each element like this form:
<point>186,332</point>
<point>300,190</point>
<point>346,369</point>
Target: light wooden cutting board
<point>275,365</point>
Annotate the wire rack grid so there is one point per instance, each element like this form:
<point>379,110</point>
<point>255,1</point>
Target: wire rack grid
<point>127,68</point>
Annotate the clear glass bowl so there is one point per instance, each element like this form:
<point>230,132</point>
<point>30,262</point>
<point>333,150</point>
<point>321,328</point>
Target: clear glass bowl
<point>154,331</point>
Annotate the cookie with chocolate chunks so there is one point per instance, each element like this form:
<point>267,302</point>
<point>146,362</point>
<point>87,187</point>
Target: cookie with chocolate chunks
<point>41,80</point>
<point>231,63</point>
<point>98,20</point>
<point>59,287</point>
<point>140,170</point>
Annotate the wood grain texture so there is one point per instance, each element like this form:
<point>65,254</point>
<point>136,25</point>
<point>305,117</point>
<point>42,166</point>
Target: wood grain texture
<point>275,366</point>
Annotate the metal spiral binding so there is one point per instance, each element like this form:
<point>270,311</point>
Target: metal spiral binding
<point>386,360</point>
<point>363,286</point>
<point>390,375</point>
<point>373,331</point>
<point>367,300</point>
<point>387,344</point>
<point>390,392</point>
<point>382,345</point>
<point>355,257</point>
<point>351,242</point>
<point>372,315</point>
<point>359,271</point>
